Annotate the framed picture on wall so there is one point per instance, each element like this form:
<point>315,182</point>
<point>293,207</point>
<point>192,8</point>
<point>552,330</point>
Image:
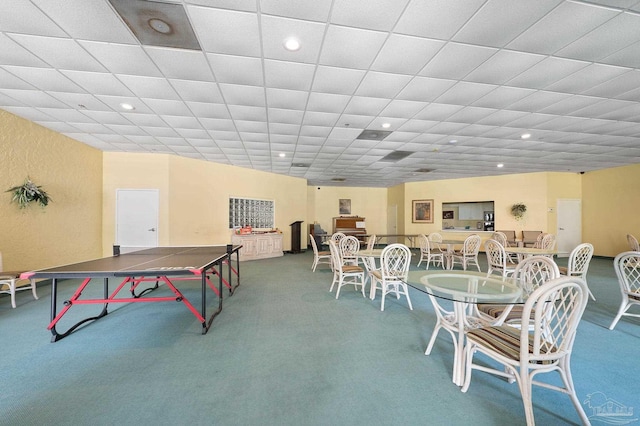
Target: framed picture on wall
<point>345,206</point>
<point>422,211</point>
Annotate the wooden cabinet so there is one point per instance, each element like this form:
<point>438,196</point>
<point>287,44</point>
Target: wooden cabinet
<point>258,246</point>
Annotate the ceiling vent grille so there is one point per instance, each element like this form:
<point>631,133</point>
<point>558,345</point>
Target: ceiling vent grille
<point>424,171</point>
<point>300,165</point>
<point>158,24</point>
<point>374,135</point>
<point>396,156</point>
<point>338,179</point>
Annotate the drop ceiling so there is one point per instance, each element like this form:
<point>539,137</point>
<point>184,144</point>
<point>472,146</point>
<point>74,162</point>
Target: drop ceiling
<point>456,83</point>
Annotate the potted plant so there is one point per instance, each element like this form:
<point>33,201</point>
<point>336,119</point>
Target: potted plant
<point>29,192</point>
<point>518,210</point>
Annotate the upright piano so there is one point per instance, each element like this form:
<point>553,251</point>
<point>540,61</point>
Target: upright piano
<point>350,225</point>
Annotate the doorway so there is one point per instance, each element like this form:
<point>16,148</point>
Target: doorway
<point>569,233</point>
<point>137,218</point>
<point>392,223</point>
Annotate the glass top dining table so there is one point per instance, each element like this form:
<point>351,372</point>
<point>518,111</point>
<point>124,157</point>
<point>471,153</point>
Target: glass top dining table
<point>467,286</point>
<point>464,289</point>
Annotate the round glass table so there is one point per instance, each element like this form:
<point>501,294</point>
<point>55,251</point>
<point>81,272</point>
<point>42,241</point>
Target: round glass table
<point>464,289</point>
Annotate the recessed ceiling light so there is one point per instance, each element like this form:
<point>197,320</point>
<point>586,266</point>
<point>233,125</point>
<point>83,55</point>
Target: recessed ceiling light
<point>525,136</point>
<point>386,125</point>
<point>500,165</point>
<point>291,44</point>
<point>127,106</point>
<point>282,155</point>
<point>453,141</point>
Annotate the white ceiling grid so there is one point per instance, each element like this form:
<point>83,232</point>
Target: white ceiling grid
<point>477,72</point>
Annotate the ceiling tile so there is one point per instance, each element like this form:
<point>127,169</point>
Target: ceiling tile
<point>350,47</point>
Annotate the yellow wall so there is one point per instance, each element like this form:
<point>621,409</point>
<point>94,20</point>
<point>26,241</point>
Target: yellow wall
<point>194,196</point>
<point>370,203</point>
<point>611,208</point>
<point>69,228</point>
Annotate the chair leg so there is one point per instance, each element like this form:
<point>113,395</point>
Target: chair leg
<point>12,289</point>
<point>623,308</point>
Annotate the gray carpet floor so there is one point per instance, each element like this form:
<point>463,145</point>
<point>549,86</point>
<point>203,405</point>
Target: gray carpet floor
<point>284,351</point>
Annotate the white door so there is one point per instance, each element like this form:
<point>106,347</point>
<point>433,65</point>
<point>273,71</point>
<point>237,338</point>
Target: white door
<point>137,217</point>
<point>392,223</point>
<point>569,235</point>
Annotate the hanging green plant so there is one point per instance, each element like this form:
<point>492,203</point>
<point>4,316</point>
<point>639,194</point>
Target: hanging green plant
<point>29,192</point>
<point>518,210</point>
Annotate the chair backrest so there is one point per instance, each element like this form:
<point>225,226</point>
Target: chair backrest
<point>554,311</point>
<point>496,256</point>
<point>510,235</point>
<point>395,261</point>
<point>371,242</point>
<point>579,260</point>
<point>425,247</point>
<point>337,236</point>
<point>313,244</point>
<point>349,246</point>
<point>500,237</point>
<point>633,244</point>
<point>538,243</point>
<point>534,271</point>
<point>471,245</point>
<point>435,237</point>
<point>627,266</point>
<point>530,237</point>
<point>336,258</point>
<point>548,242</point>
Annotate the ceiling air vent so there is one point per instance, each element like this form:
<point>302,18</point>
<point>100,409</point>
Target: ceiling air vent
<point>157,24</point>
<point>423,171</point>
<point>338,179</point>
<point>300,165</point>
<point>373,135</point>
<point>396,156</point>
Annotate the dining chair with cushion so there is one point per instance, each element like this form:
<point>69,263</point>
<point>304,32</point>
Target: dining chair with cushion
<point>10,284</point>
<point>468,254</point>
<point>529,274</point>
<point>555,310</point>
<point>319,256</point>
<point>578,263</point>
<point>627,266</point>
<point>501,237</point>
<point>344,274</point>
<point>633,243</point>
<point>394,269</point>
<point>349,247</point>
<point>435,238</point>
<point>427,255</point>
<point>497,259</point>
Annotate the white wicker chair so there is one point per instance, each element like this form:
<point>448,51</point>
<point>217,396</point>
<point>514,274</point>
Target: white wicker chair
<point>497,259</point>
<point>633,243</point>
<point>344,274</point>
<point>578,263</point>
<point>319,256</point>
<point>349,247</point>
<point>427,255</point>
<point>555,309</point>
<point>468,254</point>
<point>392,276</point>
<point>627,266</point>
<point>530,274</point>
<point>371,242</point>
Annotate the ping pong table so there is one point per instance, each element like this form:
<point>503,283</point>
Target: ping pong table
<point>168,265</point>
